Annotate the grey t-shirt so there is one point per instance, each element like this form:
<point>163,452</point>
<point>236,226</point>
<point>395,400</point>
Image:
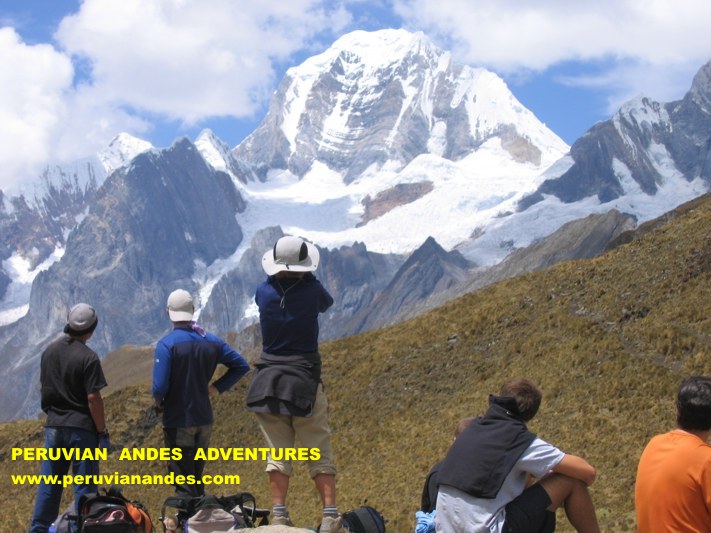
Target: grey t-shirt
<point>457,511</point>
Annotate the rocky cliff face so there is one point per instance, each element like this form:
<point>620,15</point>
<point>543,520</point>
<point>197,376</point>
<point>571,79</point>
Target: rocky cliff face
<point>148,227</point>
<point>356,279</point>
<point>429,270</point>
<point>643,145</point>
<point>36,219</point>
<point>34,224</point>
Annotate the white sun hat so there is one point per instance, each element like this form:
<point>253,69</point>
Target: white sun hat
<point>292,254</point>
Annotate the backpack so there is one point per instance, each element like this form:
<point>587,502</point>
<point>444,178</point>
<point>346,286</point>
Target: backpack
<point>212,519</point>
<point>207,514</point>
<point>174,513</point>
<point>244,506</point>
<point>212,513</point>
<point>364,519</point>
<point>100,513</point>
<point>136,509</point>
<point>64,521</point>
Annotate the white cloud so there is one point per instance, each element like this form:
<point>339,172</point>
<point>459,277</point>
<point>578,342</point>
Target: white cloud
<point>643,40</point>
<point>33,82</point>
<point>509,34</point>
<point>116,66</point>
<point>627,80</point>
<point>44,118</point>
<point>187,60</point>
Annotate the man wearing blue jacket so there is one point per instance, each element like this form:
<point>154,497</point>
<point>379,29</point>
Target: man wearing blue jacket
<point>183,368</point>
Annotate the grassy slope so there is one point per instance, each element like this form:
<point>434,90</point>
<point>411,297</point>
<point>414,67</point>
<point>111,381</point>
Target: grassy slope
<point>607,339</point>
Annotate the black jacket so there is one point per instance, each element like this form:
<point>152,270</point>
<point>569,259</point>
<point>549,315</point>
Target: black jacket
<point>486,451</point>
<point>285,384</point>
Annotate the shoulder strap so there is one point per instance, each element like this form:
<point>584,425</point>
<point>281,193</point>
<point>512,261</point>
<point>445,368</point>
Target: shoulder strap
<point>246,503</point>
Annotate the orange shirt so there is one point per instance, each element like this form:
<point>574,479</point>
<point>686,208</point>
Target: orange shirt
<point>673,489</point>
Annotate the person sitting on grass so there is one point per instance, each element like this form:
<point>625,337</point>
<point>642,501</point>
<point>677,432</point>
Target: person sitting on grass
<point>485,483</point>
<point>673,488</point>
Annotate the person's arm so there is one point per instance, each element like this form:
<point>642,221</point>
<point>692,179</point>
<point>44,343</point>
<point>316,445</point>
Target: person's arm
<point>96,409</point>
<point>530,479</point>
<point>161,372</point>
<point>576,467</point>
<point>706,485</point>
<point>94,381</point>
<point>325,299</point>
<point>237,367</point>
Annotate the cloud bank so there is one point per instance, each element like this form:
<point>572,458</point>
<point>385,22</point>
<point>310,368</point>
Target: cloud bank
<point>635,46</point>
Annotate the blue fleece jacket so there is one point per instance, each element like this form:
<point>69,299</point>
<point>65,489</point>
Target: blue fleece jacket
<point>184,364</point>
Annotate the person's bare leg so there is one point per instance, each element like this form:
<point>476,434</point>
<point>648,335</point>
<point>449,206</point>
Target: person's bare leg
<point>574,496</point>
<point>326,486</point>
<point>279,485</point>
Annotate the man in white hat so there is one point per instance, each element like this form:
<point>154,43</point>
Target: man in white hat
<point>71,379</point>
<point>184,364</point>
<point>286,391</point>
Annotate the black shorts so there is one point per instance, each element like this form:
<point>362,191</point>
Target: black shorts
<point>528,512</point>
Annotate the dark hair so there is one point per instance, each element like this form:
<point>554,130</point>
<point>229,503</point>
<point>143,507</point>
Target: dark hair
<point>693,403</point>
<point>526,394</point>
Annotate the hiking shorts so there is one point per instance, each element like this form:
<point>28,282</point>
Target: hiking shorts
<point>528,512</point>
<point>282,431</point>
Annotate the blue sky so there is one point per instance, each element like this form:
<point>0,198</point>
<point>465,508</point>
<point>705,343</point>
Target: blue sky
<point>74,74</point>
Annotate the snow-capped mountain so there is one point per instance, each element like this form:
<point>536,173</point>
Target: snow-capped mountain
<point>36,220</point>
<point>358,110</point>
<point>121,150</point>
<point>647,159</point>
<point>148,228</point>
<point>218,155</point>
<point>381,113</point>
<point>402,166</point>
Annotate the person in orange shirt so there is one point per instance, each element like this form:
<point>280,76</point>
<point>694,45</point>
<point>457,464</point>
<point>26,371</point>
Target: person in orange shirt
<point>673,488</point>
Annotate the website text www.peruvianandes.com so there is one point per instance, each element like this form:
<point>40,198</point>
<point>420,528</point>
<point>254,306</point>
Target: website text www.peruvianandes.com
<point>149,454</point>
<point>69,480</point>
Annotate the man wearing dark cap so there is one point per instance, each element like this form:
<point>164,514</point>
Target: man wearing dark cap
<point>183,369</point>
<point>71,379</point>
<point>286,392</point>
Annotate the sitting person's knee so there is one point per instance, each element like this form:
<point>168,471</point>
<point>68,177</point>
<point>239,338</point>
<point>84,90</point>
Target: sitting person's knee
<point>559,487</point>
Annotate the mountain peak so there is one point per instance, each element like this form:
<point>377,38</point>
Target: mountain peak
<point>431,250</point>
<point>370,45</point>
<point>213,149</point>
<point>367,52</point>
<point>700,90</point>
<point>121,150</point>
